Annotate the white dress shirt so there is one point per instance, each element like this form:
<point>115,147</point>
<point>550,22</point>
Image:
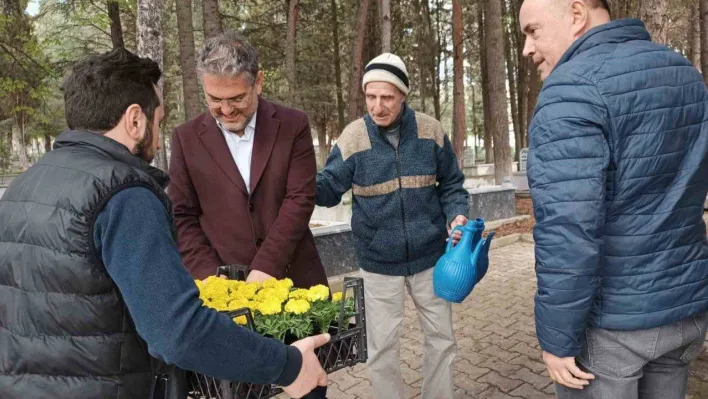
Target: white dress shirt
<point>242,148</point>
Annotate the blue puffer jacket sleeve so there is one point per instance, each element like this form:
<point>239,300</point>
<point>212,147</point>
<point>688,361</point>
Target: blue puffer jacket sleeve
<point>567,166</point>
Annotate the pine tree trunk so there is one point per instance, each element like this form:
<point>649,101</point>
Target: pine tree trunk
<point>291,49</point>
<point>694,35</point>
<point>432,50</point>
<point>385,13</point>
<point>116,28</point>
<point>151,45</point>
<point>47,142</point>
<point>459,126</point>
<point>487,134</point>
<point>190,85</point>
<point>354,110</point>
<point>337,67</point>
<point>211,18</point>
<point>534,88</point>
<point>421,54</point>
<point>655,17</point>
<point>321,122</point>
<point>499,118</point>
<point>511,77</point>
<point>704,38</point>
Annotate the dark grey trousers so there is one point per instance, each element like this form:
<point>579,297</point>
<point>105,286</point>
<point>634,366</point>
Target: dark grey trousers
<point>644,364</point>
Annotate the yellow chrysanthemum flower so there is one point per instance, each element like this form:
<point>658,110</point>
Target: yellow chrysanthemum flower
<point>297,306</point>
<point>336,297</point>
<point>298,294</point>
<point>270,283</point>
<point>318,293</point>
<point>285,283</point>
<point>269,307</point>
<point>248,290</point>
<point>240,320</point>
<point>239,303</point>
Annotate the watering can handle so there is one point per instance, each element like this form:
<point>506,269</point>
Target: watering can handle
<point>449,242</point>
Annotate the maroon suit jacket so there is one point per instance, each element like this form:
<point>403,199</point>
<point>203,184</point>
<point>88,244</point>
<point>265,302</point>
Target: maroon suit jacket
<point>218,222</point>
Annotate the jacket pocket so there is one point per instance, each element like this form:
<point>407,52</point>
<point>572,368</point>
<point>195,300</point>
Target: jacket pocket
<point>694,349</point>
<point>425,238</point>
<point>621,353</point>
<point>388,246</point>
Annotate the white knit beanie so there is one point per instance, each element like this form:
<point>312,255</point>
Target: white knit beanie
<point>387,68</point>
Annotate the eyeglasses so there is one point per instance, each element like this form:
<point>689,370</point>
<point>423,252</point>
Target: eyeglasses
<point>230,103</point>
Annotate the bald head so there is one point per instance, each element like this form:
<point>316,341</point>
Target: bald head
<point>551,27</point>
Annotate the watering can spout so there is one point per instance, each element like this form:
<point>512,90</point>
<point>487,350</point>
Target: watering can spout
<point>483,259</point>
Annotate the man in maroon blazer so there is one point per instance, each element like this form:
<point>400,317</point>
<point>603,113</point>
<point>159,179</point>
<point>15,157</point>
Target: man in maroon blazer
<point>243,175</point>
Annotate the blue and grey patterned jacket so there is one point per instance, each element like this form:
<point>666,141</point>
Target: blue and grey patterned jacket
<point>402,200</point>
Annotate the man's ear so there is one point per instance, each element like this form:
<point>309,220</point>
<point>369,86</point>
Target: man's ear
<point>259,82</point>
<point>134,120</point>
<point>581,17</point>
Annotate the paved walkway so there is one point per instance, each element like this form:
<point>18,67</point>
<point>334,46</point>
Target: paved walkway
<point>498,355</point>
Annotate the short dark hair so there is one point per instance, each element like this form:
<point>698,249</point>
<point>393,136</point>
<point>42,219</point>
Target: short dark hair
<point>601,3</point>
<point>228,55</point>
<point>101,87</point>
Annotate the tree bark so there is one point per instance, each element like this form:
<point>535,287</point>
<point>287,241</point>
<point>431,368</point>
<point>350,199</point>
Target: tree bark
<point>421,53</point>
<point>535,85</point>
<point>499,118</point>
<point>430,62</point>
<point>704,38</point>
<point>511,77</point>
<point>694,34</point>
<point>116,28</point>
<point>211,18</point>
<point>473,130</point>
<point>385,13</point>
<point>486,135</point>
<point>459,125</point>
<point>437,59</point>
<point>151,45</point>
<point>47,142</point>
<point>655,17</point>
<point>291,49</point>
<point>357,63</point>
<point>190,85</point>
<point>337,67</point>
<point>321,124</point>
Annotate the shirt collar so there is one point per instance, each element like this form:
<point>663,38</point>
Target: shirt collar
<point>249,131</point>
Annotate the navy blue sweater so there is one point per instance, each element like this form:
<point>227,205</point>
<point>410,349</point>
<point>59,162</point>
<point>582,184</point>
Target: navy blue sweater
<point>132,235</point>
<point>403,198</point>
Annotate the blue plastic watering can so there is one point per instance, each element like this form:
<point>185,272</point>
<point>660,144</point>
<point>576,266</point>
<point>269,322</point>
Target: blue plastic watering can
<point>463,265</point>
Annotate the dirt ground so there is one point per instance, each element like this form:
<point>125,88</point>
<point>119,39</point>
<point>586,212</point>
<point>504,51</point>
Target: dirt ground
<point>523,207</point>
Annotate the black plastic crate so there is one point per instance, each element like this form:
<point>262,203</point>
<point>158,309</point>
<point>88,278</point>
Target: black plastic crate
<point>346,348</point>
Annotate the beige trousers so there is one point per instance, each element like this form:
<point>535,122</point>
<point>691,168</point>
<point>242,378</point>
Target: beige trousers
<point>383,297</point>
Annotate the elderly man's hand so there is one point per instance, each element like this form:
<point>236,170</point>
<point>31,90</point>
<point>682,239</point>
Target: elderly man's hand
<point>459,220</point>
<point>564,371</point>
<point>257,276</point>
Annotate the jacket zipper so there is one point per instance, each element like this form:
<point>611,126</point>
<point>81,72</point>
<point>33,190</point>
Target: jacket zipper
<point>400,197</point>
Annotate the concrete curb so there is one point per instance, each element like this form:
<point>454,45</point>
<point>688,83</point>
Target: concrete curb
<point>495,224</point>
<point>337,282</point>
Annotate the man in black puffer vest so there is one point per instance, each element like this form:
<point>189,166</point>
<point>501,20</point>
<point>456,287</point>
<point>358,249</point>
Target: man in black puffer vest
<point>91,283</point>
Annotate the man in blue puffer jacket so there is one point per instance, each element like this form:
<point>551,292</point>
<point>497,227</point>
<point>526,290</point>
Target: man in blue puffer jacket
<point>618,171</point>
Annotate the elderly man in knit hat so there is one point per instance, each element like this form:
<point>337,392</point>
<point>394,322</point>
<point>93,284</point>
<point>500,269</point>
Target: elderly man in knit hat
<point>407,194</point>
